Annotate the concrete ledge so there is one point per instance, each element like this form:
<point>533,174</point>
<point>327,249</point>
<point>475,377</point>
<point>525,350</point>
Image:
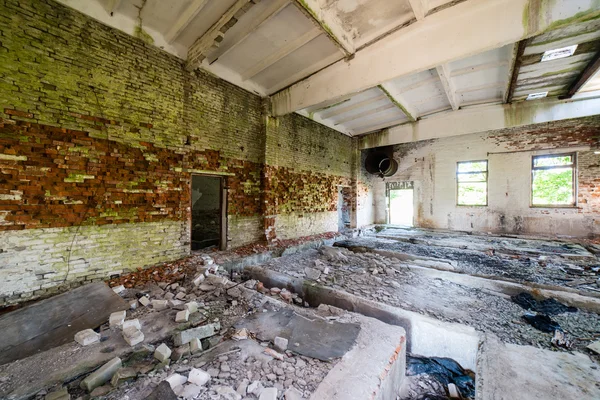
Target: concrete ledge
<point>373,369</point>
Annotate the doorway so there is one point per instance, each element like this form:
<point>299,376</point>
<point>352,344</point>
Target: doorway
<point>401,204</point>
<point>343,208</point>
<point>207,212</point>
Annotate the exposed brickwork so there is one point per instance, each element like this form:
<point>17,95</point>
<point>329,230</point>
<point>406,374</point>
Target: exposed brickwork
<point>100,134</point>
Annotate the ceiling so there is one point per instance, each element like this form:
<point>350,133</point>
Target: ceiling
<point>268,45</point>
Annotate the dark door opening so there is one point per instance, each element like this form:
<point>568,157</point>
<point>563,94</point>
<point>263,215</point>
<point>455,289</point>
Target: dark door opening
<point>343,208</point>
<point>207,211</point>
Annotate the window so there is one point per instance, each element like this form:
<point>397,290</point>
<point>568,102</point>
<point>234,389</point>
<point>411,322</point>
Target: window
<point>553,180</point>
<point>471,179</point>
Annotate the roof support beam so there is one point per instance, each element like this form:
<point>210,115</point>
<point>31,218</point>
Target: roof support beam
<point>444,73</point>
<point>184,20</point>
<point>429,43</point>
<point>197,51</point>
<point>419,8</point>
<point>514,72</point>
<point>399,101</point>
<point>329,23</point>
<point>588,72</point>
<point>247,26</point>
<point>484,118</point>
<point>279,54</point>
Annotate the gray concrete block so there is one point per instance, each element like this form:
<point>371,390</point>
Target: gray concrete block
<point>102,375</point>
<point>201,332</point>
<point>87,337</point>
<point>162,353</point>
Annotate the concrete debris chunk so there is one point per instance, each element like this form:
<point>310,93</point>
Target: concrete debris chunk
<point>205,287</point>
<point>180,352</point>
<point>118,289</point>
<point>122,375</point>
<point>292,394</point>
<point>162,353</point>
<point>133,304</point>
<point>285,295</point>
<point>195,346</point>
<point>176,380</point>
<point>182,316</point>
<point>180,296</point>
<point>144,300</point>
<point>101,391</point>
<point>117,318</point>
<point>595,347</point>
<point>227,392</point>
<point>198,377</point>
<point>198,280</point>
<point>242,387</point>
<point>87,337</point>
<point>132,322</point>
<point>281,344</point>
<point>201,332</point>
<point>133,335</point>
<point>162,392</point>
<point>169,296</point>
<point>61,394</point>
<point>160,304</point>
<point>102,375</point>
<point>241,334</point>
<point>312,273</point>
<point>192,307</point>
<point>189,391</point>
<point>268,394</point>
<point>255,388</point>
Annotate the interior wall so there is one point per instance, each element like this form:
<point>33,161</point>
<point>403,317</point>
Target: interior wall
<point>432,166</point>
<point>100,133</point>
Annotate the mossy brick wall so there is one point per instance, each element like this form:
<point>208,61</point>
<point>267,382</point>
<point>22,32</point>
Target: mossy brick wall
<point>306,163</point>
<point>99,136</point>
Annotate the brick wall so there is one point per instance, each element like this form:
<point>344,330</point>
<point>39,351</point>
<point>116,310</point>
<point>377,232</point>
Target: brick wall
<point>306,163</point>
<point>432,166</point>
<point>99,136</point>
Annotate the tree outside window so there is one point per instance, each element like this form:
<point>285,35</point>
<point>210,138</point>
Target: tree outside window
<point>471,178</point>
<point>553,180</point>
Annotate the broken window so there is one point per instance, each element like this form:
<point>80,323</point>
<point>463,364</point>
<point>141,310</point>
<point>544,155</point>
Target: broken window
<point>553,180</point>
<point>471,179</point>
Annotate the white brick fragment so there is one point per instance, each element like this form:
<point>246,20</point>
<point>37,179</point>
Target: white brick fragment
<point>176,380</point>
<point>162,353</point>
<point>198,377</point>
<point>87,337</point>
<point>117,318</point>
<point>182,316</point>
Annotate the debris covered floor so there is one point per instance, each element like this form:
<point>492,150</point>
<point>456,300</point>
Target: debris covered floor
<point>194,330</point>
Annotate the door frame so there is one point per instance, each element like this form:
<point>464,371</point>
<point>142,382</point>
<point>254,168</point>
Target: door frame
<point>402,185</point>
<point>222,208</point>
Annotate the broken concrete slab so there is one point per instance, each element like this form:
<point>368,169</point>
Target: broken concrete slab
<point>55,321</point>
<point>47,369</point>
<point>102,375</point>
<point>313,338</point>
<point>595,346</point>
<point>201,332</point>
<point>525,372</point>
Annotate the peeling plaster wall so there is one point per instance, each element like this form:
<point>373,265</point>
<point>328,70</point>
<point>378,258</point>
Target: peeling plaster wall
<point>432,166</point>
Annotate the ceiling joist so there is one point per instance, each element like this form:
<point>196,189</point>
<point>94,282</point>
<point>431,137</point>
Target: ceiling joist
<point>399,101</point>
<point>420,8</point>
<point>586,75</point>
<point>444,74</point>
<point>427,44</point>
<point>247,26</point>
<point>281,53</point>
<point>184,20</point>
<point>514,74</point>
<point>197,52</point>
<point>329,24</point>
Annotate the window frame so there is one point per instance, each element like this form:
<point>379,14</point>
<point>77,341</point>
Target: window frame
<point>573,183</point>
<point>487,178</point>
